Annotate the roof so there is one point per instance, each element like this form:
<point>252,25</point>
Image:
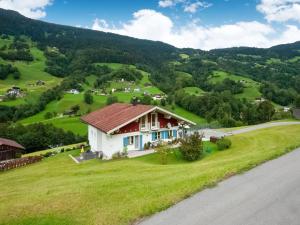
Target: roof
<point>115,116</point>
<point>9,142</point>
<point>112,116</point>
<point>296,113</point>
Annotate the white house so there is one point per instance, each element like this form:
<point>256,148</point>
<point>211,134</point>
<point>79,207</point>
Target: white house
<point>73,91</point>
<point>122,126</point>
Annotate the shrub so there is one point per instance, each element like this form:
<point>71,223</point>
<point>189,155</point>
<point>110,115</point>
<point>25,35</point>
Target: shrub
<point>223,144</point>
<point>191,147</point>
<point>163,152</point>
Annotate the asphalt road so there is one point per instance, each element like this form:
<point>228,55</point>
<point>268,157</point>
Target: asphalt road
<point>262,126</point>
<point>266,195</point>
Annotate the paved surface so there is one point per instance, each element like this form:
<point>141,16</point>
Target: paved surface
<point>266,195</point>
<point>134,154</point>
<point>261,126</point>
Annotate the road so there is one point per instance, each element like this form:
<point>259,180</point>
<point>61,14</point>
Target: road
<point>262,126</point>
<point>266,195</point>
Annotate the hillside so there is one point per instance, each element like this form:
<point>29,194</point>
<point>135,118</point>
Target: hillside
<point>45,61</point>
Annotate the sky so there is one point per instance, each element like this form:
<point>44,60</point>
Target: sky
<point>201,24</point>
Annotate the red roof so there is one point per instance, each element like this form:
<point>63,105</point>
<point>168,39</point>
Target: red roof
<point>9,142</point>
<point>115,115</point>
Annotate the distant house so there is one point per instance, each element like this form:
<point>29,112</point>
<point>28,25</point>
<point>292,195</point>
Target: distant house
<point>260,100</point>
<point>158,97</point>
<point>40,83</point>
<point>14,92</point>
<point>9,149</point>
<point>136,89</point>
<point>127,89</point>
<point>296,113</point>
<point>120,126</point>
<point>73,91</point>
<point>286,109</point>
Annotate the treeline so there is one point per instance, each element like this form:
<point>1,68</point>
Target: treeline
<point>38,136</point>
<point>17,50</point>
<point>225,108</point>
<point>7,69</point>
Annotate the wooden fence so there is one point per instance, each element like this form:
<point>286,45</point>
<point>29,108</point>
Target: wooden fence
<point>15,163</point>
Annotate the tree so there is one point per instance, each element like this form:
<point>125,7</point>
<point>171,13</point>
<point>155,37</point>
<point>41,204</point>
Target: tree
<point>88,98</point>
<point>265,111</point>
<point>297,102</point>
<point>111,99</point>
<point>191,147</point>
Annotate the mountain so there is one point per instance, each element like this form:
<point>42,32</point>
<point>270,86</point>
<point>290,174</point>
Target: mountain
<point>220,86</point>
<point>77,41</point>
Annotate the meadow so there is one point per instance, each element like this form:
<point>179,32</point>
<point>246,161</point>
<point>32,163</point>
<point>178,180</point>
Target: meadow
<point>119,192</point>
<point>251,90</point>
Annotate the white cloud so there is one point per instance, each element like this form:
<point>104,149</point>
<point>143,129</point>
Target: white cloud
<point>280,10</point>
<point>31,8</point>
<point>153,25</point>
<point>166,3</point>
<point>188,5</point>
<point>193,7</point>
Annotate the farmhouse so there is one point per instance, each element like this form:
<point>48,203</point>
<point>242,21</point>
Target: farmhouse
<point>121,127</point>
<point>9,149</point>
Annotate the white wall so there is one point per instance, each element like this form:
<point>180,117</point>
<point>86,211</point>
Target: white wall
<point>111,144</point>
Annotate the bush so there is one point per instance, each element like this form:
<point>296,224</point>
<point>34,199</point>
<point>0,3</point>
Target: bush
<point>223,144</point>
<point>191,147</point>
<point>163,152</point>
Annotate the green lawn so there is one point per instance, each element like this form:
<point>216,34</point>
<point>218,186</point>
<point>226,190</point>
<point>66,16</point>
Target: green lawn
<point>251,90</point>
<point>58,191</point>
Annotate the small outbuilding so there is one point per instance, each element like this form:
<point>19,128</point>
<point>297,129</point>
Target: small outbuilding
<point>9,149</point>
<point>296,113</point>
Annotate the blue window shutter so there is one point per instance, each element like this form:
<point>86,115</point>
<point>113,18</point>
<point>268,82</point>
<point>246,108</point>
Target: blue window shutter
<point>167,134</point>
<point>175,133</point>
<point>141,142</point>
<point>153,136</point>
<point>125,141</point>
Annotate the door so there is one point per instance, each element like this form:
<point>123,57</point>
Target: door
<point>136,142</point>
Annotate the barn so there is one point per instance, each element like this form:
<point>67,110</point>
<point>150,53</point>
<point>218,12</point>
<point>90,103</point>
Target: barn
<point>9,149</point>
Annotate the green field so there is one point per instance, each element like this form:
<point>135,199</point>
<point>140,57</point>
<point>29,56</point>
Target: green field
<point>194,91</point>
<point>251,90</point>
<point>58,191</point>
<point>30,73</point>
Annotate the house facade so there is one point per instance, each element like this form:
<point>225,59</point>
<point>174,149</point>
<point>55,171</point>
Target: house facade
<point>121,126</point>
<point>9,149</point>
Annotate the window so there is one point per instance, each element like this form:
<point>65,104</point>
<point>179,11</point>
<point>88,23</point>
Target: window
<point>130,140</point>
<point>158,135</point>
<point>170,134</point>
<point>153,119</point>
<point>143,122</point>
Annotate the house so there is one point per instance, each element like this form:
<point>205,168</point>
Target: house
<point>73,91</point>
<point>158,97</point>
<point>296,113</point>
<point>286,109</point>
<point>14,92</point>
<point>120,127</point>
<point>137,89</point>
<point>9,149</point>
<point>40,83</point>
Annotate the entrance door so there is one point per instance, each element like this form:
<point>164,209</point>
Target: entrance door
<point>136,142</point>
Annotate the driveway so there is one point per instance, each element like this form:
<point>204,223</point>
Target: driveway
<point>266,195</point>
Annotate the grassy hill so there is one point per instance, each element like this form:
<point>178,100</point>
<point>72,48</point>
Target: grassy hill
<point>251,90</point>
<point>31,72</point>
<point>74,124</point>
<point>119,192</point>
